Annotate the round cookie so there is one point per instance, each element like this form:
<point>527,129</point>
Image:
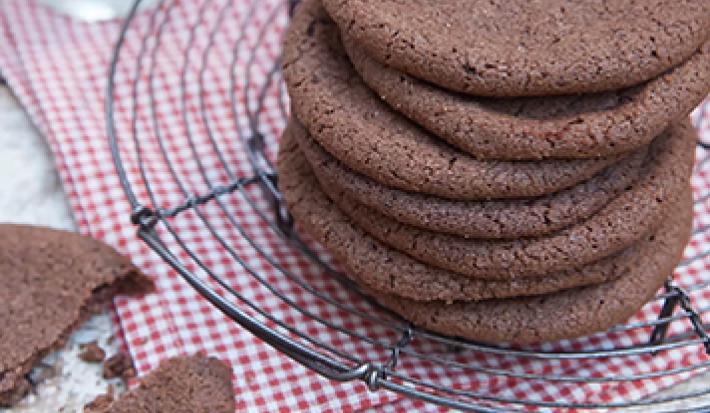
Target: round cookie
<point>572,126</point>
<point>361,131</point>
<point>472,219</point>
<point>564,315</point>
<point>387,270</point>
<point>632,215</point>
<point>523,48</point>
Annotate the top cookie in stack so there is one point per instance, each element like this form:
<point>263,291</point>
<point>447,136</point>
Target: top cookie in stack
<point>481,167</point>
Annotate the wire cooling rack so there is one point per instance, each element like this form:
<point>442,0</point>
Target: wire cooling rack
<point>229,136</point>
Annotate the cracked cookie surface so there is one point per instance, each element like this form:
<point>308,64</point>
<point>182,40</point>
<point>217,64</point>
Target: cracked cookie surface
<point>524,48</point>
<point>472,219</point>
<point>566,314</point>
<point>440,300</point>
<point>572,126</point>
<point>361,131</point>
<point>387,270</point>
<point>635,213</point>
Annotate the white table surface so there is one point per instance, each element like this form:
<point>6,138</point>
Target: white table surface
<point>30,193</point>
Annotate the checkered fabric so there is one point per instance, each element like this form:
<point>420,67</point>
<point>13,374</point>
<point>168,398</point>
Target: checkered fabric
<point>194,81</point>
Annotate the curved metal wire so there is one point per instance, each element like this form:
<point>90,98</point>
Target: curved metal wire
<point>396,342</point>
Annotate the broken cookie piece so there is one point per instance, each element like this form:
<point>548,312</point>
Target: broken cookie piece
<point>52,281</point>
<point>188,384</point>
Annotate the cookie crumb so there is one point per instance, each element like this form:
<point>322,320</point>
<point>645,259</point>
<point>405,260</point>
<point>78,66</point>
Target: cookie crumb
<point>13,390</point>
<point>92,353</point>
<point>118,365</point>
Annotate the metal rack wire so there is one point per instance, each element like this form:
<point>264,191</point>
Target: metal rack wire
<point>366,342</point>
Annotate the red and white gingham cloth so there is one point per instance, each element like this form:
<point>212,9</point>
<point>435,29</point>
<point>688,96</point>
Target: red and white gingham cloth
<point>58,68</point>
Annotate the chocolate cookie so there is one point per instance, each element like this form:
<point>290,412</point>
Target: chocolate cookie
<point>635,213</point>
<point>523,48</point>
<point>472,219</point>
<point>387,270</point>
<point>563,315</point>
<point>52,281</point>
<point>357,128</point>
<point>180,385</point>
<point>572,126</point>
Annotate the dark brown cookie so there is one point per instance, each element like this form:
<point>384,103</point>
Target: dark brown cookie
<point>472,219</point>
<point>53,280</point>
<point>361,131</point>
<point>180,385</point>
<point>387,270</point>
<point>567,314</point>
<point>573,126</point>
<point>523,48</point>
<point>632,215</point>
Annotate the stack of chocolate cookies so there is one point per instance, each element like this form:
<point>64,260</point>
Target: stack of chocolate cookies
<point>503,171</point>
